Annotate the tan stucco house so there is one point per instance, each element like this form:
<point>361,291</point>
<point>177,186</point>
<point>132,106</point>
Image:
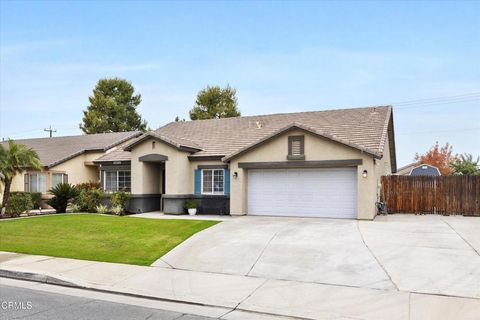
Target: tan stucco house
<point>311,164</point>
<point>68,159</point>
<point>307,164</point>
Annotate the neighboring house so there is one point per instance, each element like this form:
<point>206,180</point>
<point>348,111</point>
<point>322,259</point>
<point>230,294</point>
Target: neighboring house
<point>312,164</point>
<point>68,159</point>
<point>415,169</point>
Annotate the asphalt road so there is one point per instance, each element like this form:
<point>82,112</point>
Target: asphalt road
<point>22,303</point>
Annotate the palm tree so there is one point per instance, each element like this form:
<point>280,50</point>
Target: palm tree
<point>13,160</point>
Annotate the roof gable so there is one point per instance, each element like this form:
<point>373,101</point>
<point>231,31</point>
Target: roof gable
<point>293,127</point>
<point>179,143</point>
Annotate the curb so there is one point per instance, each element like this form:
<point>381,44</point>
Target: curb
<point>42,278</point>
<point>38,278</point>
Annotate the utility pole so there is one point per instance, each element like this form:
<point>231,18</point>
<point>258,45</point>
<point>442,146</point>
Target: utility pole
<point>50,130</point>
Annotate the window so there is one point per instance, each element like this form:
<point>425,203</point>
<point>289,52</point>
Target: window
<point>296,148</point>
<point>59,178</point>
<point>124,180</point>
<point>110,181</point>
<point>116,180</point>
<point>36,182</point>
<point>213,181</point>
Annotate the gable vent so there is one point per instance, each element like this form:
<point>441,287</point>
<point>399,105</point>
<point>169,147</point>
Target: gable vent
<point>296,147</point>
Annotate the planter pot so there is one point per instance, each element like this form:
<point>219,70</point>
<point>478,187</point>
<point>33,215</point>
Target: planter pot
<point>192,211</point>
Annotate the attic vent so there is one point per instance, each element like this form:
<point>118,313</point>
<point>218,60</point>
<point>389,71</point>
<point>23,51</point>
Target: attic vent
<point>259,124</point>
<point>296,147</point>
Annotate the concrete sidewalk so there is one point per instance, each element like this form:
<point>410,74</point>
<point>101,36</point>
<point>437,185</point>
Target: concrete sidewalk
<point>235,296</point>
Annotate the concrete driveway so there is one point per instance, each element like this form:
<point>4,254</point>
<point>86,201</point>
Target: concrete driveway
<point>425,254</point>
<point>311,250</point>
<point>428,254</point>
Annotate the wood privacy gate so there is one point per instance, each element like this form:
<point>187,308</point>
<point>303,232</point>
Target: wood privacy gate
<point>446,195</point>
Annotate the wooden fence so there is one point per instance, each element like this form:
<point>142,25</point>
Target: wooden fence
<point>446,195</point>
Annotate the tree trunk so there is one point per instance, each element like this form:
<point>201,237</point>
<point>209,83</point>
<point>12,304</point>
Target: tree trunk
<point>6,192</point>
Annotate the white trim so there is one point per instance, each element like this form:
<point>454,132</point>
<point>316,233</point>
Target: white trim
<point>104,181</point>
<point>117,187</point>
<point>213,188</point>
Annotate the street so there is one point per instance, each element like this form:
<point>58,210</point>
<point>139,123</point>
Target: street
<point>26,303</point>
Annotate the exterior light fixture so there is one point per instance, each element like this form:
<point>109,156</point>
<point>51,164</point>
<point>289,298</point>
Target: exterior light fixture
<point>365,173</point>
<point>235,175</point>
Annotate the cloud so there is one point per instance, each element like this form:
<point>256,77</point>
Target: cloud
<point>95,67</point>
<point>28,47</point>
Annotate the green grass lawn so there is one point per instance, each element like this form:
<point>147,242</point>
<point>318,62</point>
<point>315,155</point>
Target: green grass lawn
<point>138,241</point>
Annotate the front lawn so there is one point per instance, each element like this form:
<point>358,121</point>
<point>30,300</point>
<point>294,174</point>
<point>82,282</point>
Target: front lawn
<point>138,241</point>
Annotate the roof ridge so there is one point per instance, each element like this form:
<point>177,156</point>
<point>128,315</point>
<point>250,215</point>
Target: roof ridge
<point>76,135</point>
<point>277,114</point>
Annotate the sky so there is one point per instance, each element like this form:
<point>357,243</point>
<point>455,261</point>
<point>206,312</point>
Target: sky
<point>422,57</point>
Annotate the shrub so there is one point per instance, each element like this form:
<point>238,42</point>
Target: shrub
<point>190,204</point>
<point>89,199</point>
<point>117,210</point>
<point>36,198</point>
<point>102,209</point>
<point>120,199</point>
<point>88,186</point>
<point>63,193</point>
<point>19,203</point>
<point>75,208</point>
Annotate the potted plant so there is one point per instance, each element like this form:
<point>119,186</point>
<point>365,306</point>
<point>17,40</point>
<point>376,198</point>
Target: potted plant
<point>191,207</point>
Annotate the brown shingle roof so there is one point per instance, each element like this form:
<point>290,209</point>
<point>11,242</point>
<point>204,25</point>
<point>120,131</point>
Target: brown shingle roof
<point>116,155</point>
<point>361,128</point>
<point>53,151</point>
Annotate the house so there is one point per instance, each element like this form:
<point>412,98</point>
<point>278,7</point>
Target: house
<point>416,169</point>
<point>68,159</point>
<point>309,164</point>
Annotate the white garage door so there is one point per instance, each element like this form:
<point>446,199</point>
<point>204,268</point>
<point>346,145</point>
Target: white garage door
<point>328,193</point>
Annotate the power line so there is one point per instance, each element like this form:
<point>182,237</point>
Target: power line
<point>414,106</point>
<point>426,102</point>
<point>465,95</point>
<point>438,131</point>
<point>440,101</point>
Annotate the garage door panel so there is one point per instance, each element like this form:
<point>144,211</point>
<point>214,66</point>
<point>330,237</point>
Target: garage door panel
<point>303,192</point>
